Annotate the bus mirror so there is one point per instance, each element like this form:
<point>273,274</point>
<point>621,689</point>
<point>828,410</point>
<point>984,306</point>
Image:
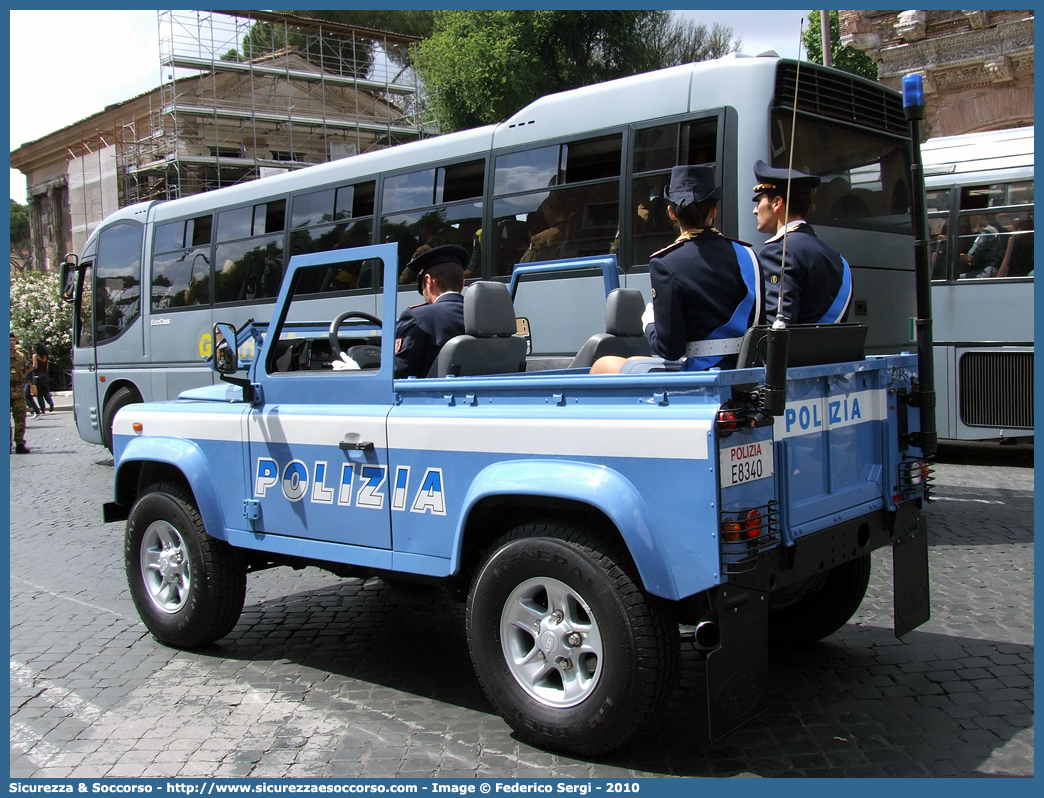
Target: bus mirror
<point>226,356</point>
<point>67,278</point>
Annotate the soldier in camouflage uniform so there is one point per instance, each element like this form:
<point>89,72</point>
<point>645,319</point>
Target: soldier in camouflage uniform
<point>19,373</point>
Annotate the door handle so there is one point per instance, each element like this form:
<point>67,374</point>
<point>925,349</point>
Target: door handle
<point>356,446</point>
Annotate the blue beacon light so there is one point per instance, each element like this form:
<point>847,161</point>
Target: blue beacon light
<point>913,91</point>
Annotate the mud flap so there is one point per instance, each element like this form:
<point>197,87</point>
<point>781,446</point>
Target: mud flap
<point>737,669</point>
<point>910,569</point>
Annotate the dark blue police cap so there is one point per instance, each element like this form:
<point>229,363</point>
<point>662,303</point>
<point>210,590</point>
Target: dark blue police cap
<point>444,253</point>
<point>692,184</point>
<point>774,181</point>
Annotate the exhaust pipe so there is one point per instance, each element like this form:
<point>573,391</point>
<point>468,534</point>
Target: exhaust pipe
<point>708,635</point>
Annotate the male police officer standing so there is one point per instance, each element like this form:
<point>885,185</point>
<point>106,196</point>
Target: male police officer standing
<point>19,373</point>
<point>423,329</point>
<point>817,281</point>
<point>706,288</point>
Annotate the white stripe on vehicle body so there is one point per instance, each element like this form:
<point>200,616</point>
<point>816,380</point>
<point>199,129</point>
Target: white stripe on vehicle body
<point>674,439</point>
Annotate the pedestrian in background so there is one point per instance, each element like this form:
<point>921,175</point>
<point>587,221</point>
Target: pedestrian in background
<point>29,389</point>
<point>19,373</point>
<point>41,377</point>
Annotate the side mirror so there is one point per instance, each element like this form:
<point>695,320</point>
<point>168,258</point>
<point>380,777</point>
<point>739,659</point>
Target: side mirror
<point>226,354</point>
<point>67,277</point>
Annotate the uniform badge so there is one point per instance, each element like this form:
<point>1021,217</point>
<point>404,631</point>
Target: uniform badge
<point>398,346</point>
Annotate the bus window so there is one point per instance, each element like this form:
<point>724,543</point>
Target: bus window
<point>570,208</point>
<point>117,272</point>
<point>251,268</point>
<point>83,333</point>
<point>412,190</point>
<point>422,230</point>
<point>334,219</point>
<point>995,233</point>
<point>656,150</point>
<point>181,264</point>
<point>424,216</point>
<point>937,204</point>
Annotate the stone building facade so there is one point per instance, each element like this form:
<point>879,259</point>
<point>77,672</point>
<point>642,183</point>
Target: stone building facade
<point>977,65</point>
<point>223,122</point>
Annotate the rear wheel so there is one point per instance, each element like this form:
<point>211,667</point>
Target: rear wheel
<point>188,587</point>
<point>820,606</point>
<point>567,646</point>
<point>120,398</point>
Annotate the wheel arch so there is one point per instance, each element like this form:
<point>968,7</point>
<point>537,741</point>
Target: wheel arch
<point>111,389</point>
<point>148,460</point>
<point>115,385</point>
<point>505,494</point>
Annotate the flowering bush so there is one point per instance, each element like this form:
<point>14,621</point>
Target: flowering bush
<point>39,314</point>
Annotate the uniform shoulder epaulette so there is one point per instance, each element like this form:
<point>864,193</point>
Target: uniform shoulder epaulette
<point>737,241</point>
<point>668,248</point>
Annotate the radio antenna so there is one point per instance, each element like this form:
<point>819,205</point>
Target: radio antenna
<point>772,395</point>
<point>780,322</point>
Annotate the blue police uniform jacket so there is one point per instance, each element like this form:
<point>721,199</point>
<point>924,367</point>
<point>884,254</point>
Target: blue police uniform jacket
<point>817,285</point>
<point>423,330</point>
<point>706,294</point>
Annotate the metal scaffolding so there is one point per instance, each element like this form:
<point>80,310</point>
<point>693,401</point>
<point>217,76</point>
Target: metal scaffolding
<point>245,94</point>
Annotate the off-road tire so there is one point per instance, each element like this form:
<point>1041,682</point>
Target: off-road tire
<point>820,607</point>
<point>187,586</point>
<point>635,636</point>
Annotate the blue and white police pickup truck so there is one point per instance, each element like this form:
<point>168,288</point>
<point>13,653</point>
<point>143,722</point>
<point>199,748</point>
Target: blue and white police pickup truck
<point>583,518</point>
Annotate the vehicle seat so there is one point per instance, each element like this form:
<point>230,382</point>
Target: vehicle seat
<point>809,345</point>
<point>624,335</point>
<point>489,344</point>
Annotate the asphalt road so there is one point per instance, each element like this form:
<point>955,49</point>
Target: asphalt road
<point>344,678</point>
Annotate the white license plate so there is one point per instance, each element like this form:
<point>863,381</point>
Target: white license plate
<point>745,462</point>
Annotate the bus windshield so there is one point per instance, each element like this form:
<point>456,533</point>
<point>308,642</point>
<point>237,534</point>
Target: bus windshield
<point>865,176</point>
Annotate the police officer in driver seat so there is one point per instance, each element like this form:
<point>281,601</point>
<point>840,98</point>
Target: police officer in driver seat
<point>423,330</point>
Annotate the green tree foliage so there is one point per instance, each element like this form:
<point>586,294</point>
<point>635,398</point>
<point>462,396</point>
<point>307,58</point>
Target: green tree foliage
<point>39,314</point>
<point>21,238</point>
<point>346,55</point>
<point>847,58</point>
<point>479,67</point>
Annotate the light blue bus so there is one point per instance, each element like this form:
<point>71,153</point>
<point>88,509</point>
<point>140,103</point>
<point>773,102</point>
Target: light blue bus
<point>979,192</point>
<point>573,174</point>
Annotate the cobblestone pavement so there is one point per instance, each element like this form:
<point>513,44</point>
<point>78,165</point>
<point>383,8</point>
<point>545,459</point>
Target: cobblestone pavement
<point>331,677</point>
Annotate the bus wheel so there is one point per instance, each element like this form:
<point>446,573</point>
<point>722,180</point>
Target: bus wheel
<point>121,397</point>
<point>567,646</point>
<point>818,607</point>
<point>188,587</point>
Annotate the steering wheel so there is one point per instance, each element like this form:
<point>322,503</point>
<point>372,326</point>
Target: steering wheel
<point>335,325</point>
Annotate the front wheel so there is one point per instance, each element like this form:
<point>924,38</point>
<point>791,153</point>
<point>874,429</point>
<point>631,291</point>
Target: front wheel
<point>188,587</point>
<point>120,398</point>
<point>567,646</point>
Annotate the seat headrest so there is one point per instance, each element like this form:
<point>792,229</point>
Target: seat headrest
<point>623,312</point>
<point>488,310</point>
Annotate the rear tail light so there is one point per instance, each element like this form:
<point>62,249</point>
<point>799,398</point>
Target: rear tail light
<point>751,524</point>
<point>915,478</point>
<point>729,421</point>
<point>744,533</point>
<point>746,525</point>
<point>730,530</point>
